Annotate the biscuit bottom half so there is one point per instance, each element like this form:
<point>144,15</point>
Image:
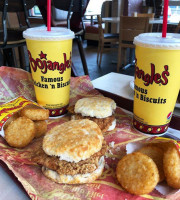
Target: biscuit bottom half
<point>77,178</point>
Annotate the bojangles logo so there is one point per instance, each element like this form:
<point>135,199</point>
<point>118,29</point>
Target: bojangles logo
<point>44,65</point>
<point>153,77</point>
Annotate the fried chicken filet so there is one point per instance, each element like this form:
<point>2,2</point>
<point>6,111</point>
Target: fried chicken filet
<point>98,109</point>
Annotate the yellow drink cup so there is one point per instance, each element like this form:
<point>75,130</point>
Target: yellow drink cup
<point>50,54</point>
<point>157,81</point>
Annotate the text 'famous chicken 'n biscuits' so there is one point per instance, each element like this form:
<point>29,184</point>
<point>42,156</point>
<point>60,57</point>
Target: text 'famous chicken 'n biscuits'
<point>98,109</point>
<point>72,152</point>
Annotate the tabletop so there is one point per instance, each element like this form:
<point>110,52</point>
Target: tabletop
<point>115,83</point>
<point>91,14</point>
<point>160,21</point>
<point>151,21</point>
<point>111,19</point>
<point>9,187</point>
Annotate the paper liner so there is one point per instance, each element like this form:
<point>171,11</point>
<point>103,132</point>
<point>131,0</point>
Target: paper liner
<point>39,187</point>
<point>15,82</point>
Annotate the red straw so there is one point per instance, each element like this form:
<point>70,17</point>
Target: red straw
<point>165,17</point>
<point>48,15</point>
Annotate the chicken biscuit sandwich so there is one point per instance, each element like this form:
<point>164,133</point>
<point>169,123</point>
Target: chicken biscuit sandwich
<point>98,109</point>
<point>73,152</point>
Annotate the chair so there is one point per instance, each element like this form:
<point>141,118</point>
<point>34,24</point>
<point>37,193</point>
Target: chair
<point>106,40</point>
<point>150,15</point>
<point>76,9</point>
<point>177,30</point>
<point>129,28</point>
<point>12,37</point>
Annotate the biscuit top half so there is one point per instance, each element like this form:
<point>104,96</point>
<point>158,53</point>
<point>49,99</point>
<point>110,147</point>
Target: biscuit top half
<point>74,140</point>
<point>99,107</point>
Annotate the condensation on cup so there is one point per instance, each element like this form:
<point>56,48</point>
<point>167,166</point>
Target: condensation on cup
<point>157,81</point>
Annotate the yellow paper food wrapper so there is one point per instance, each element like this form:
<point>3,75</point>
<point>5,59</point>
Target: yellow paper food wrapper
<point>10,108</point>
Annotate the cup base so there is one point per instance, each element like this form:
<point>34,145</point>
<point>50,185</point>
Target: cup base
<point>149,129</point>
<point>58,111</point>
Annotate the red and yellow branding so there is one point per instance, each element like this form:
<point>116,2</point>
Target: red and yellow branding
<point>156,88</point>
<point>50,63</point>
<point>153,77</point>
<point>11,107</point>
<point>44,65</point>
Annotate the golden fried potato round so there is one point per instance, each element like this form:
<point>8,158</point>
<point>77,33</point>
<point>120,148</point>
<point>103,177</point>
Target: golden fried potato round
<point>137,173</point>
<point>162,145</point>
<point>34,112</point>
<point>12,118</point>
<point>157,155</point>
<point>41,128</point>
<point>20,132</point>
<point>171,163</point>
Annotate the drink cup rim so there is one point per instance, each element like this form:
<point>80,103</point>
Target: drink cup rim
<point>155,40</point>
<point>41,33</point>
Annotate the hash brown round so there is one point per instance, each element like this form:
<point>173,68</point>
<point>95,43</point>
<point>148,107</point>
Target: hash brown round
<point>171,163</point>
<point>41,128</point>
<point>34,112</point>
<point>137,173</point>
<point>20,132</point>
<point>157,155</point>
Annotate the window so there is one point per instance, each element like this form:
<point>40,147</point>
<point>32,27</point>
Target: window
<point>173,10</point>
<point>174,13</point>
<point>174,3</point>
<point>94,6</point>
<point>94,9</point>
<point>35,11</point>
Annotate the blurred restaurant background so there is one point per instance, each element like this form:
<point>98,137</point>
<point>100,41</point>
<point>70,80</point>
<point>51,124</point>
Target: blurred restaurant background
<point>99,47</point>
